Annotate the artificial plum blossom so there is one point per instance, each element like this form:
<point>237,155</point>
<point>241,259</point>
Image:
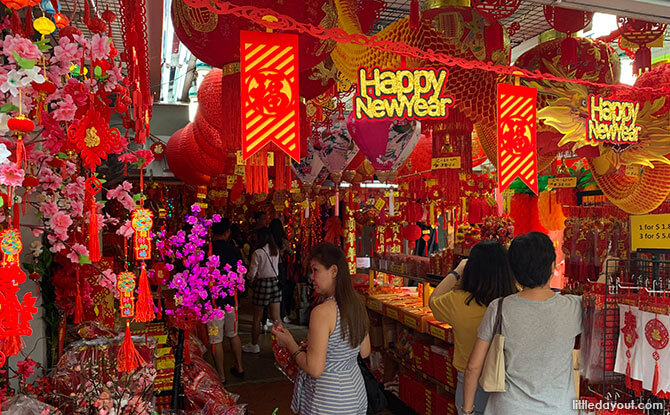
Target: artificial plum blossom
<point>125,230</point>
<point>4,154</point>
<point>48,209</point>
<point>66,52</point>
<point>23,47</point>
<point>49,180</point>
<point>11,174</point>
<point>100,47</point>
<point>66,109</point>
<point>60,222</point>
<point>34,74</point>
<point>15,80</point>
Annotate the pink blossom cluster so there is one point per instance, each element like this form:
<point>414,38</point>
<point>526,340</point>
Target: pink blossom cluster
<point>204,278</point>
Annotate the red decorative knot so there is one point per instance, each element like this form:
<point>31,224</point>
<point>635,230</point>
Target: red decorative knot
<point>656,334</point>
<point>93,185</point>
<point>496,9</point>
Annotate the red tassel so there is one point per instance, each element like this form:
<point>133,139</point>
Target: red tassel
<point>642,61</point>
<point>657,379</point>
<point>125,169</point>
<point>144,308</point>
<point>87,12</point>
<point>129,359</point>
<point>187,347</point>
<point>628,383</point>
<point>569,48</point>
<point>20,152</point>
<point>29,30</point>
<point>78,306</point>
<point>414,14</point>
<point>493,36</point>
<point>11,345</point>
<point>16,25</point>
<point>16,215</point>
<point>93,237</point>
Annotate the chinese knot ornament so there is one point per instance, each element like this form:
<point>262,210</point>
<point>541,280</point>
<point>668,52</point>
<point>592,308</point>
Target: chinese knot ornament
<point>94,139</point>
<point>15,316</point>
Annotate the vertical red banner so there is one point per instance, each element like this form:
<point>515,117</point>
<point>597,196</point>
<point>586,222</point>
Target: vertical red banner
<point>270,105</point>
<point>517,141</point>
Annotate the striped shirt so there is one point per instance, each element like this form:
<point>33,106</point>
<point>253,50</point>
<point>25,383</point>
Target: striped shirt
<point>340,389</point>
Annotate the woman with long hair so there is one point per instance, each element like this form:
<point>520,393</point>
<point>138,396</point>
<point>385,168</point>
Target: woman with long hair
<point>263,274</point>
<point>287,286</point>
<point>330,380</point>
<point>461,300</point>
<point>540,327</point>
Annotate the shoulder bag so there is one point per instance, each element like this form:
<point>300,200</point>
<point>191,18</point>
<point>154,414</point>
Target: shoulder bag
<point>492,378</point>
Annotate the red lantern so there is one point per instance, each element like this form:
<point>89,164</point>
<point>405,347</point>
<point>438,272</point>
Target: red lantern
<point>19,4</point>
<point>61,20</point>
<point>494,11</point>
<point>21,124</point>
<point>179,160</point>
<point>411,233</point>
<point>641,33</point>
<point>568,21</point>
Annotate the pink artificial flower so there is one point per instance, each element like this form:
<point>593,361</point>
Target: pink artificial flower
<point>66,109</point>
<point>127,158</point>
<point>66,52</point>
<point>25,48</point>
<point>60,222</point>
<point>57,247</point>
<point>80,249</point>
<point>48,209</point>
<point>100,47</point>
<point>77,207</point>
<point>107,280</point>
<point>37,232</point>
<point>125,230</point>
<point>114,193</point>
<point>127,186</point>
<point>127,202</point>
<point>11,175</point>
<point>73,257</point>
<point>53,133</point>
<point>50,180</point>
<point>74,190</point>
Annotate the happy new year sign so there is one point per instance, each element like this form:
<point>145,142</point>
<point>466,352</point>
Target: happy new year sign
<point>612,121</point>
<point>401,94</point>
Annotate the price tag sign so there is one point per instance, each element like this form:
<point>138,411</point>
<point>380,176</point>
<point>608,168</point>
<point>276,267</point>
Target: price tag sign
<point>633,170</point>
<point>380,203</point>
<point>230,181</point>
<point>446,163</point>
<point>332,200</point>
<point>396,268</point>
<point>431,183</point>
<point>271,159</point>
<point>650,232</point>
<point>240,161</point>
<point>562,182</point>
<point>239,170</point>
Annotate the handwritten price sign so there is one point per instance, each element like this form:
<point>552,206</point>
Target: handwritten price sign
<point>446,163</point>
<point>562,183</point>
<point>650,232</point>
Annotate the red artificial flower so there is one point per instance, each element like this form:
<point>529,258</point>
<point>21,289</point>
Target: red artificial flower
<point>93,138</point>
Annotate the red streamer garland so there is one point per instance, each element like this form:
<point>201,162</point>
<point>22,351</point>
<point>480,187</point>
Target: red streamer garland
<point>287,23</point>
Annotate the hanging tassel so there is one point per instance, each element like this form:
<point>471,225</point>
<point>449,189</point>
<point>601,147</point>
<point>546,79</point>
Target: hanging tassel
<point>29,30</point>
<point>414,15</point>
<point>337,200</point>
<point>125,168</point>
<point>16,25</point>
<point>11,345</point>
<point>493,36</point>
<point>78,306</point>
<point>657,379</point>
<point>159,305</point>
<point>642,61</point>
<point>628,383</point>
<point>20,152</point>
<point>93,236</point>
<point>569,49</point>
<point>87,12</point>
<point>187,347</point>
<point>129,358</point>
<point>391,203</point>
<point>144,308</point>
<point>307,209</point>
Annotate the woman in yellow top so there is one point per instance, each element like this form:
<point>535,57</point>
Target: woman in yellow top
<point>462,302</point>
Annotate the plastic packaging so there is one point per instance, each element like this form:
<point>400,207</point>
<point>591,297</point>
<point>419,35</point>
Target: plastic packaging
<point>202,385</point>
<point>25,405</point>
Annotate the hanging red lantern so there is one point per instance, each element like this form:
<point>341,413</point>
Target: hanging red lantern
<point>411,233</point>
<point>568,21</point>
<point>19,4</point>
<point>61,20</point>
<point>494,11</point>
<point>642,34</point>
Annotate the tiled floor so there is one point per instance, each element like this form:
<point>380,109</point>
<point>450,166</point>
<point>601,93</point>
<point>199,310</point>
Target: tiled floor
<point>264,389</point>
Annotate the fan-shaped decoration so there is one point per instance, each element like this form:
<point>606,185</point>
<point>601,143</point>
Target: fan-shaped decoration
<point>310,166</point>
<point>567,21</point>
<point>387,144</point>
<point>642,34</point>
<point>336,150</point>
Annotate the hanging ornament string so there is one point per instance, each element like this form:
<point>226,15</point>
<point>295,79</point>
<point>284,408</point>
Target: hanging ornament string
<point>286,23</point>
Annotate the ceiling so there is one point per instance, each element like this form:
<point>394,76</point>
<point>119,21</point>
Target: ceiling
<point>530,14</point>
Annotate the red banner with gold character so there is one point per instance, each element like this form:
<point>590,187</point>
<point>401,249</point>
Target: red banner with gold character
<point>517,129</point>
<point>270,106</point>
